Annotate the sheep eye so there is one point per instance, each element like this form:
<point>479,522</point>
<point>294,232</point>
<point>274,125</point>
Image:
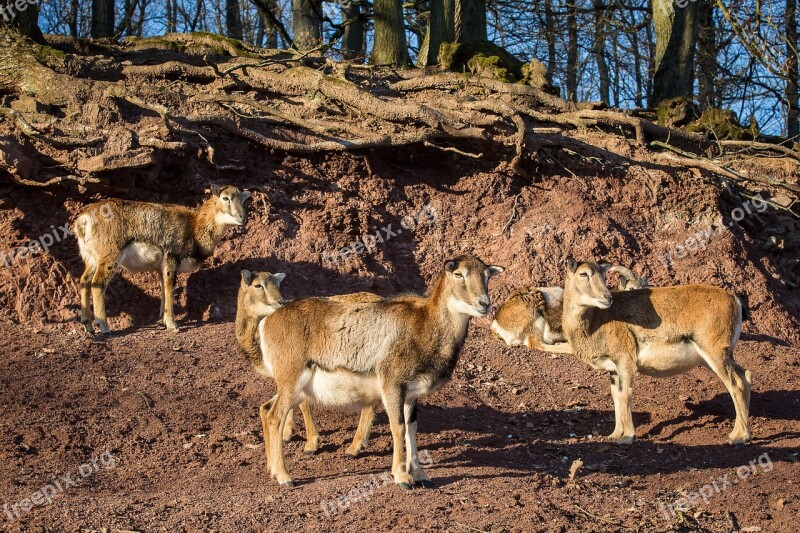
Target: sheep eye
<point>458,275</point>
<point>259,286</point>
<point>584,275</point>
<point>226,199</point>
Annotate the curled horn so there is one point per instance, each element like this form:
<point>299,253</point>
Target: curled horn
<point>628,279</point>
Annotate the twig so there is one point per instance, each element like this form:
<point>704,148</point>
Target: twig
<point>754,145</point>
<point>452,149</point>
<point>511,218</point>
<point>594,516</point>
<point>147,401</point>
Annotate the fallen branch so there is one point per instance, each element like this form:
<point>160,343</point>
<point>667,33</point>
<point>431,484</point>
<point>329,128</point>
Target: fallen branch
<point>693,160</point>
<point>452,149</point>
<point>53,181</point>
<point>755,145</point>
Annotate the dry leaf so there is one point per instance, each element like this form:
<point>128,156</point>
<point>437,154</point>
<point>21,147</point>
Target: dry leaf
<point>778,503</point>
<point>577,464</point>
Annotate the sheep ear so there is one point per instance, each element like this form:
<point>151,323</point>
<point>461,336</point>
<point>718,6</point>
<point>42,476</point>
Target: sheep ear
<point>495,270</point>
<point>247,277</point>
<point>280,276</point>
<point>215,189</point>
<point>604,267</point>
<point>572,265</point>
<point>450,265</point>
<point>244,195</point>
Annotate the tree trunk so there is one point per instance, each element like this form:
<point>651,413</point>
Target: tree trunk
<point>599,49</point>
<point>25,21</point>
<point>572,52</point>
<point>793,111</point>
<point>550,37</point>
<point>233,19</point>
<point>125,27</point>
<point>470,20</point>
<point>390,36</point>
<point>675,23</point>
<point>707,66</point>
<point>260,31</point>
<point>637,67</point>
<point>22,72</point>
<point>353,36</point>
<point>74,6</point>
<point>102,18</point>
<point>435,36</point>
<point>307,24</point>
<point>170,16</point>
<point>268,11</point>
<point>449,35</point>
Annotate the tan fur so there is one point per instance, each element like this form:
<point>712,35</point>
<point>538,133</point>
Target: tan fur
<point>531,316</point>
<point>259,296</point>
<point>658,332</point>
<point>146,237</point>
<point>397,351</point>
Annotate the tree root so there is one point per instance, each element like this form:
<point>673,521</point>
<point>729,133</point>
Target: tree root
<point>275,100</point>
<point>692,160</point>
<point>171,69</point>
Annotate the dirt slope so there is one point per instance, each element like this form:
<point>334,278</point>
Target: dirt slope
<point>176,415</point>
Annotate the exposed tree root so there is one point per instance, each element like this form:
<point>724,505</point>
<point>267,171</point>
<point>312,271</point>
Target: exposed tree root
<point>199,86</point>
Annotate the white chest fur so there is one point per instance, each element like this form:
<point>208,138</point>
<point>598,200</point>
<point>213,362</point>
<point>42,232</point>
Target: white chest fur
<point>143,257</point>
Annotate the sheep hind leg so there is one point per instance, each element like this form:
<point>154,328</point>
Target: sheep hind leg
<point>737,381</point>
<point>86,295</point>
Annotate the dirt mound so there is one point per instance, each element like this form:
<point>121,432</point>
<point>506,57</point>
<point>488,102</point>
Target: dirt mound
<point>663,222</point>
<point>165,427</point>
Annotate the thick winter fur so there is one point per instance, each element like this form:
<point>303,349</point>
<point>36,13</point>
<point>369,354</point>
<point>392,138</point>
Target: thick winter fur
<point>146,237</point>
<point>259,296</point>
<point>394,351</point>
<point>531,316</point>
<point>658,332</point>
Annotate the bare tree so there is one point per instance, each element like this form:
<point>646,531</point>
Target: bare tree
<point>353,36</point>
<point>390,36</point>
<point>675,24</point>
<point>599,48</point>
<point>233,19</point>
<point>707,63</point>
<point>470,20</point>
<point>102,18</point>
<point>307,24</point>
<point>24,21</point>
<point>793,109</point>
<point>572,51</point>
